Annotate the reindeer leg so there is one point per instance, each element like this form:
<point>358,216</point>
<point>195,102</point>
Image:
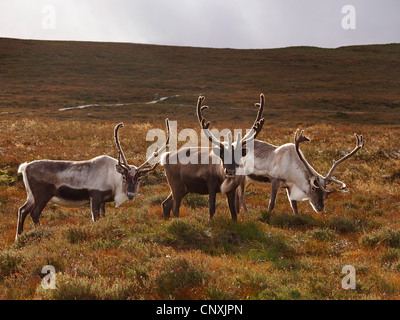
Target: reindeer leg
<point>103,209</point>
<point>167,206</point>
<point>276,184</point>
<point>211,200</point>
<point>95,209</point>
<point>22,213</point>
<point>241,198</point>
<point>176,204</point>
<point>212,195</point>
<point>231,203</point>
<point>36,212</point>
<point>95,204</point>
<point>237,200</point>
<point>293,204</point>
<point>42,197</point>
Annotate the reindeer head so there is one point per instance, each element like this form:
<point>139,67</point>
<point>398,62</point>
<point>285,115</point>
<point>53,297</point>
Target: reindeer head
<point>230,152</point>
<point>131,174</point>
<point>317,189</point>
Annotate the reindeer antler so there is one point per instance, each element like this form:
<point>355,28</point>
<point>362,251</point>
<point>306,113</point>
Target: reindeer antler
<point>359,144</point>
<point>329,177</point>
<point>142,168</point>
<point>252,134</point>
<point>297,140</point>
<point>258,123</point>
<point>123,164</point>
<point>205,125</point>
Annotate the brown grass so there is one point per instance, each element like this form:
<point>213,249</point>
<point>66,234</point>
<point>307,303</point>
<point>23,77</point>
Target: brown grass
<point>133,253</point>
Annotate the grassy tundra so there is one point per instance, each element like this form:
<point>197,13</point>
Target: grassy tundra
<point>133,253</point>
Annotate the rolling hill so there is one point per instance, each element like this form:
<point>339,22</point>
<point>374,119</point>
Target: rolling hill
<point>350,84</point>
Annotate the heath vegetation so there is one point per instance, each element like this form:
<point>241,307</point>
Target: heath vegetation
<point>133,253</point>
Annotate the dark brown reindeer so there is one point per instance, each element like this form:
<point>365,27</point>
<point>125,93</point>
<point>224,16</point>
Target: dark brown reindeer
<point>82,183</point>
<point>210,170</point>
<point>286,167</point>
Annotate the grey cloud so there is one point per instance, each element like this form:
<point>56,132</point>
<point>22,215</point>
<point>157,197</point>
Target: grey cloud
<point>209,23</point>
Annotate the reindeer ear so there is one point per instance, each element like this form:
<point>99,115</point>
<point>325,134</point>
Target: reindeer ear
<point>119,169</point>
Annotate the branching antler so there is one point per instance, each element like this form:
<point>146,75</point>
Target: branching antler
<point>252,134</point>
<point>258,123</point>
<point>144,167</point>
<point>297,140</point>
<point>205,125</point>
<point>121,154</point>
<point>329,178</point>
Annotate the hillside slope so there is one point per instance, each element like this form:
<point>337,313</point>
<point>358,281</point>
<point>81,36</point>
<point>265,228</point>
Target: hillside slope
<point>57,74</point>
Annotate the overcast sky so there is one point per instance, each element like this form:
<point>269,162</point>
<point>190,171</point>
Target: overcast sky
<point>205,23</point>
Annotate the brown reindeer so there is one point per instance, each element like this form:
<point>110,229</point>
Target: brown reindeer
<point>209,170</point>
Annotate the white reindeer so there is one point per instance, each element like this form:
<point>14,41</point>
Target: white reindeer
<point>80,183</point>
<point>286,167</point>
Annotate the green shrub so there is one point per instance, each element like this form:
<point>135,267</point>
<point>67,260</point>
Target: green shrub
<point>77,234</point>
<point>390,255</point>
<point>270,248</point>
<point>245,230</point>
<point>156,199</point>
<point>350,205</point>
<point>188,234</point>
<point>266,216</point>
<point>34,236</point>
<point>219,294</point>
<point>294,294</point>
<point>291,220</point>
<point>178,273</point>
<point>139,271</point>
<point>82,288</point>
<point>384,236</point>
<point>109,228</point>
<point>194,200</point>
<point>105,230</point>
<point>229,236</point>
<point>322,234</point>
<point>9,262</point>
<point>342,225</point>
<point>7,177</point>
<point>275,252</point>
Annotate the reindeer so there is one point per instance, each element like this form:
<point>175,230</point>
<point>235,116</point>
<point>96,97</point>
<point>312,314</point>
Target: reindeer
<point>75,184</point>
<point>286,167</point>
<point>217,174</point>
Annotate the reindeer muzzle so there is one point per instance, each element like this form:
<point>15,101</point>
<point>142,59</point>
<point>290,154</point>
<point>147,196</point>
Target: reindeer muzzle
<point>131,196</point>
<point>230,173</point>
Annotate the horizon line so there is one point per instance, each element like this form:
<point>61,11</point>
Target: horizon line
<point>190,46</point>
